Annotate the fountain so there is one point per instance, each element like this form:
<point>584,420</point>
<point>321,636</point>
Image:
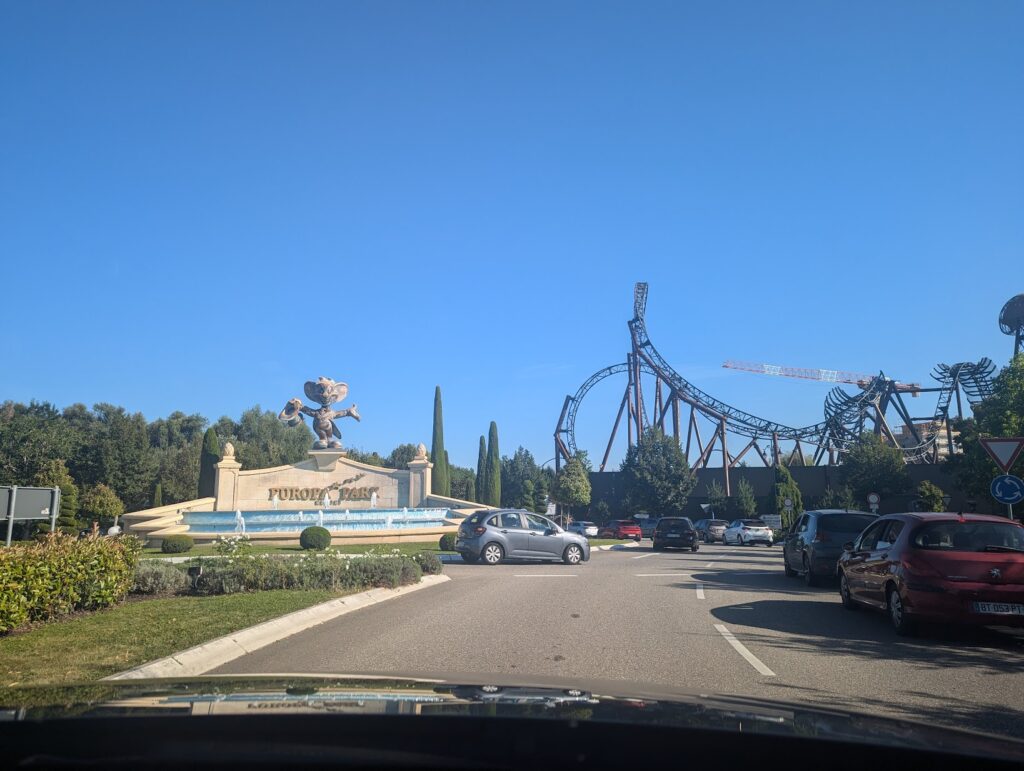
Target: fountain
<point>320,517</point>
<point>239,522</point>
<point>327,501</point>
<point>275,501</point>
<point>373,500</point>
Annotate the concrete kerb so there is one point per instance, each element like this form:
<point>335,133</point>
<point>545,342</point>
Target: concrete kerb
<point>209,655</point>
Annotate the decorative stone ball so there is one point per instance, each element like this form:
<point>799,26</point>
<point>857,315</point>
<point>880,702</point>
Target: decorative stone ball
<point>421,451</point>
<point>229,450</point>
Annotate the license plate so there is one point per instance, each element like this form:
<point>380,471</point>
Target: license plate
<point>673,535</point>
<point>998,608</point>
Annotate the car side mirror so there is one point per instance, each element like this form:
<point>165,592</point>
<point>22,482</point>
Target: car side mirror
<point>848,546</point>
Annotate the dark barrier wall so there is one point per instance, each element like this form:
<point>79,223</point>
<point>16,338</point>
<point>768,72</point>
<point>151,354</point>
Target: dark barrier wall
<point>812,481</point>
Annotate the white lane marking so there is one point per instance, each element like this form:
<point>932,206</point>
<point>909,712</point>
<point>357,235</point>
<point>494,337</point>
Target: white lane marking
<point>546,575</point>
<point>710,564</point>
<point>741,649</point>
<point>700,591</point>
<point>660,575</point>
<point>641,556</point>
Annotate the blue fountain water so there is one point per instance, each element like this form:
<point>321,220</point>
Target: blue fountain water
<point>295,521</point>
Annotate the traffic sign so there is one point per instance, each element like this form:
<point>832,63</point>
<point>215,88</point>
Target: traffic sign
<point>1004,450</point>
<point>873,500</point>
<point>788,504</point>
<point>1008,489</point>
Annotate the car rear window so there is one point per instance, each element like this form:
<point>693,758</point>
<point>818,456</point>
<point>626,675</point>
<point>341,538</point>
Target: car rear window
<point>716,522</point>
<point>844,523</point>
<point>753,523</point>
<point>970,536</point>
<point>675,524</point>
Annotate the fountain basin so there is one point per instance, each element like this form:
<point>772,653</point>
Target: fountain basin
<point>335,520</point>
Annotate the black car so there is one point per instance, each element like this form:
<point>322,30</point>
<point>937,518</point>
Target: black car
<point>676,533</point>
<point>813,546</point>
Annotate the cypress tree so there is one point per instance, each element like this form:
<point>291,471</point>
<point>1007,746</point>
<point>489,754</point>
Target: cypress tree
<point>158,496</point>
<point>481,472</point>
<point>209,458</point>
<point>441,480</point>
<point>493,487</point>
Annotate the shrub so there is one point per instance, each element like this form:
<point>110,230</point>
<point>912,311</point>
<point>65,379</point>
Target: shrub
<point>177,544</point>
<point>411,573</point>
<point>447,542</point>
<point>61,574</point>
<point>429,562</point>
<point>233,545</point>
<point>158,577</point>
<point>316,538</point>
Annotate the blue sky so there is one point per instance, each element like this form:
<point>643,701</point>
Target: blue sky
<point>203,204</point>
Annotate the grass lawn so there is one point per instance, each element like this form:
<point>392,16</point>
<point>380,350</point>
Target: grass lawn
<point>607,541</point>
<point>98,644</point>
<point>207,550</point>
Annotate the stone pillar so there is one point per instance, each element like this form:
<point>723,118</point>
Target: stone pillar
<point>419,477</point>
<point>226,484</point>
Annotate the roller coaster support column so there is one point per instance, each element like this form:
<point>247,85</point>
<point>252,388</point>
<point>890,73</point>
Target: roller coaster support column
<point>776,456</point>
<point>725,459</point>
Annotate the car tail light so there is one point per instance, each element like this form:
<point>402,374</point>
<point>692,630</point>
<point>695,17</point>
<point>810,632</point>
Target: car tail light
<point>745,527</point>
<point>821,537</point>
<point>479,530</point>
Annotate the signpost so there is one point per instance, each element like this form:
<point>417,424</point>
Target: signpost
<point>22,503</point>
<point>873,500</point>
<point>1005,450</point>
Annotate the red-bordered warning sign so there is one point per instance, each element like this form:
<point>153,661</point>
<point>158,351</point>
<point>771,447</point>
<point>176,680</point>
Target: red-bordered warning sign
<point>1004,450</point>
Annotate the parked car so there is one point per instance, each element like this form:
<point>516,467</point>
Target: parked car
<point>747,532</point>
<point>963,568</point>
<point>582,527</point>
<point>814,544</point>
<point>675,533</point>
<point>647,526</point>
<point>621,528</point>
<point>710,530</point>
<point>493,536</point>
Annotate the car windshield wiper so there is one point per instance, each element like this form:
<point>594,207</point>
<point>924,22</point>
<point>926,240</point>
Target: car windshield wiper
<point>994,547</point>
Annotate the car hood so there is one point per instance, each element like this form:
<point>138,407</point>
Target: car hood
<point>499,697</point>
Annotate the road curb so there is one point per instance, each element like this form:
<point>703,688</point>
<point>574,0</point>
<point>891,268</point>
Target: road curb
<point>209,655</point>
<point>616,546</point>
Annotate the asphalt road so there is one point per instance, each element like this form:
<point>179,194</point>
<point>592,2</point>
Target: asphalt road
<point>722,620</point>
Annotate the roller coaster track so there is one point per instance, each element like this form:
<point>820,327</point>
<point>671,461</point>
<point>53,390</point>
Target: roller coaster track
<point>846,415</point>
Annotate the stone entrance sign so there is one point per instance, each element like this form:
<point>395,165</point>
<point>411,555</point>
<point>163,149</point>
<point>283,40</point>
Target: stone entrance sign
<point>346,483</point>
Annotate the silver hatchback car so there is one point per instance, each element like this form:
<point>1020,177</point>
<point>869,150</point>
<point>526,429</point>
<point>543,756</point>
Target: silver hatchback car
<point>493,536</point>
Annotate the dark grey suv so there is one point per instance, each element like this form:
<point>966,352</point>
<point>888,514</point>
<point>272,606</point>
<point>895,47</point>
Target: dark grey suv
<point>493,536</point>
<point>814,545</point>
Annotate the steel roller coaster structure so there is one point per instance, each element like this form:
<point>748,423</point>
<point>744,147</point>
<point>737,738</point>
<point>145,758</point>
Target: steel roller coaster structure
<point>847,416</point>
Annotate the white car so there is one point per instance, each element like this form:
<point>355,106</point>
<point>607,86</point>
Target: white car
<point>588,529</point>
<point>746,532</point>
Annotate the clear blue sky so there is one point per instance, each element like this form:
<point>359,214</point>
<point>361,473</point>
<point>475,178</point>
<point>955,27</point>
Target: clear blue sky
<point>204,204</point>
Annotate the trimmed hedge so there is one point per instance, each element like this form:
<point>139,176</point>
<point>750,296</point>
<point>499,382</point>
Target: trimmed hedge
<point>157,577</point>
<point>429,562</point>
<point>315,538</point>
<point>61,574</point>
<point>328,570</point>
<point>177,544</point>
<point>447,542</point>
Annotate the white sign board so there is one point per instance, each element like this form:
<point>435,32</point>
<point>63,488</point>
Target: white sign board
<point>773,521</point>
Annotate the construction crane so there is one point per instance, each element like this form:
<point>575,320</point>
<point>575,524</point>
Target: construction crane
<point>825,375</point>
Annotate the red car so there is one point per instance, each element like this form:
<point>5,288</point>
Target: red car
<point>962,568</point>
<point>620,528</point>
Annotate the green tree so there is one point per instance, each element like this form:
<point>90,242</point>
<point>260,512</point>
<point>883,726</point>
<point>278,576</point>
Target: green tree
<point>263,441</point>
<point>54,473</point>
<point>178,471</point>
<point>746,503</point>
<point>572,484</point>
<point>158,496</point>
<point>493,481</point>
<point>208,460</point>
<point>370,458</point>
<point>126,461</point>
<point>1002,414</point>
<point>515,473</point>
<point>463,483</point>
<point>786,487</point>
<point>656,479</point>
<point>839,498</point>
<point>400,456</point>
<point>101,504</point>
<point>871,465</point>
<point>441,482</point>
<point>930,496</point>
<point>481,472</point>
<point>717,499</point>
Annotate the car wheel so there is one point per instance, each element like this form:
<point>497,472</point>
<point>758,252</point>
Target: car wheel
<point>695,547</point>
<point>785,566</point>
<point>809,578</point>
<point>844,593</point>
<point>898,615</point>
<point>655,546</point>
<point>493,554</point>
<point>573,555</point>
<point>743,541</point>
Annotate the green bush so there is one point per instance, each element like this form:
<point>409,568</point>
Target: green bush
<point>429,562</point>
<point>447,542</point>
<point>177,544</point>
<point>61,574</point>
<point>325,570</point>
<point>158,577</point>
<point>315,538</point>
